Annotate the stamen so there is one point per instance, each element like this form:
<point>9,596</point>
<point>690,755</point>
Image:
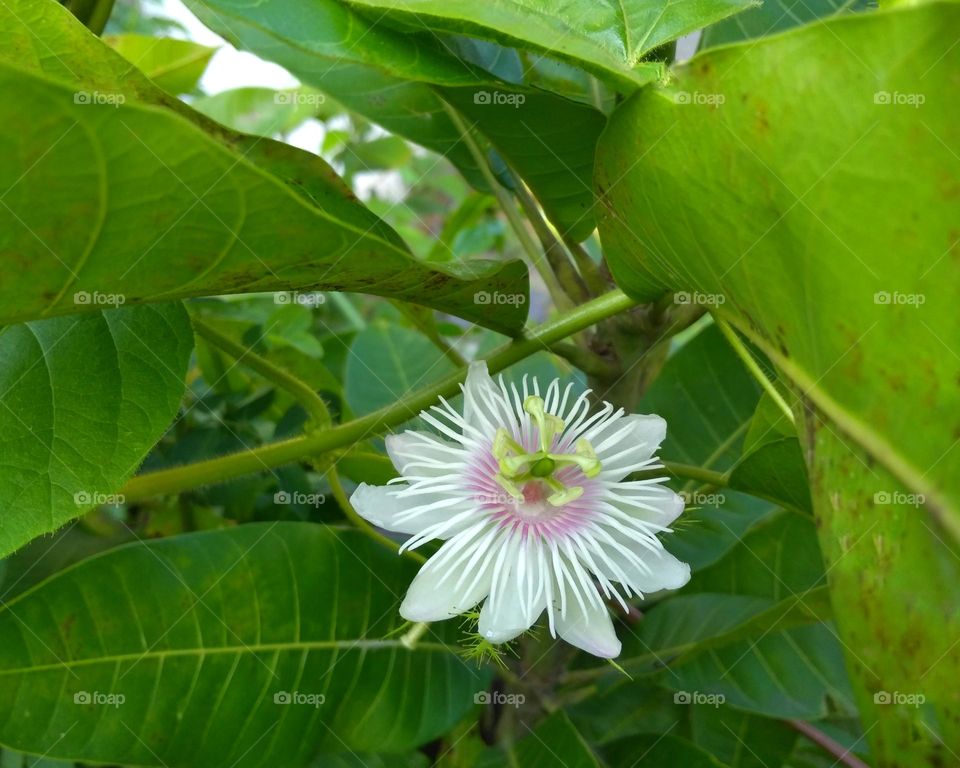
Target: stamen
<point>517,466</point>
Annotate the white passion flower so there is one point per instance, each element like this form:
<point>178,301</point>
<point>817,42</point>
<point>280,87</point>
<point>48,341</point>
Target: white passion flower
<point>529,492</point>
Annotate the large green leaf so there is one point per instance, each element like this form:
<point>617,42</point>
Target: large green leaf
<point>813,262</point>
<point>771,583</point>
<point>401,79</point>
<point>791,673</point>
<point>548,140</point>
<point>82,400</point>
<point>840,270</point>
<point>223,213</point>
<point>606,37</point>
<point>261,645</point>
<point>555,740</point>
<point>708,400</point>
<point>664,751</point>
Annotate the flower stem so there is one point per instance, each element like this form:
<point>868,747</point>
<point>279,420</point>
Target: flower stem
<point>303,392</point>
<point>224,468</point>
<point>341,496</point>
<point>412,635</point>
<point>748,360</point>
<point>707,476</point>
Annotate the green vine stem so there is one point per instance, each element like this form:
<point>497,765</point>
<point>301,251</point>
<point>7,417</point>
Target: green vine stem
<point>341,497</point>
<point>303,392</point>
<point>748,360</point>
<point>224,468</point>
<point>560,299</point>
<point>557,256</point>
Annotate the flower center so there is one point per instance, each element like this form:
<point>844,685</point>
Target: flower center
<point>530,477</point>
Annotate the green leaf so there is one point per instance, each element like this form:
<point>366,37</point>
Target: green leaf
<point>262,111</point>
<point>264,644</point>
<point>83,400</point>
<point>548,140</point>
<point>741,740</point>
<point>774,16</point>
<point>682,628</point>
<point>174,65</point>
<point>608,38</point>
<point>811,218</point>
<point>773,580</point>
<point>223,213</point>
<point>400,80</point>
<point>814,274</point>
<point>775,471</point>
<point>554,740</point>
<point>790,673</point>
<point>386,363</point>
<point>772,465</point>
<point>382,154</point>
<point>658,752</point>
<point>708,400</point>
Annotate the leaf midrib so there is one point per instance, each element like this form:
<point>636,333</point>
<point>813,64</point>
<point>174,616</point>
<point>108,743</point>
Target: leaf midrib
<point>316,645</point>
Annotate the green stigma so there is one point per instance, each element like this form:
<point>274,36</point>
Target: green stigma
<point>518,467</point>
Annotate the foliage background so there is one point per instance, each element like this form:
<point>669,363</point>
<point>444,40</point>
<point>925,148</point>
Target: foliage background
<point>781,213</point>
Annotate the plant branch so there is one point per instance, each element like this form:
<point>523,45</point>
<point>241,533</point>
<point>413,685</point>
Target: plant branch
<point>303,392</point>
<point>584,359</point>
<point>265,457</point>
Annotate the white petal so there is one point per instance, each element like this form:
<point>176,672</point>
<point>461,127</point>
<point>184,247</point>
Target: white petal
<point>625,442</point>
<point>424,455</point>
<point>435,594</point>
<point>381,506</point>
<point>652,503</point>
<point>517,602</point>
<point>590,630</point>
<point>485,406</point>
<point>662,570</point>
